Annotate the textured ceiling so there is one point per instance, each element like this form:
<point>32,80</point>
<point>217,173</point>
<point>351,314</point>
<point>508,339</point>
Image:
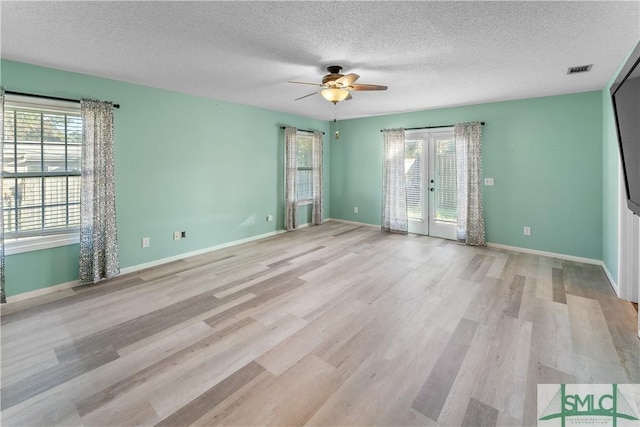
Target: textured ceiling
<point>430,54</point>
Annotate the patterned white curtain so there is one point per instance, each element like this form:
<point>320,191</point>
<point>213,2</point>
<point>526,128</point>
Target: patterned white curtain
<point>469,168</point>
<point>98,240</point>
<point>394,192</point>
<point>291,174</point>
<point>3,297</point>
<point>316,158</point>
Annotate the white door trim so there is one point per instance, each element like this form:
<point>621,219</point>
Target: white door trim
<point>628,248</point>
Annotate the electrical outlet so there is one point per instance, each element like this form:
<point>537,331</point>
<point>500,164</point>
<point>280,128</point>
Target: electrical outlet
<point>488,181</point>
<point>527,231</point>
<point>177,235</point>
<point>355,209</point>
<point>269,218</point>
<point>145,242</point>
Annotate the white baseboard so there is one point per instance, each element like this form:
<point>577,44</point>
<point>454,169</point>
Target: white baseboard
<point>158,262</point>
<point>56,288</point>
<point>135,268</point>
<point>43,291</point>
<point>545,253</point>
<point>612,282</point>
<point>505,247</point>
<point>601,263</point>
<point>344,221</point>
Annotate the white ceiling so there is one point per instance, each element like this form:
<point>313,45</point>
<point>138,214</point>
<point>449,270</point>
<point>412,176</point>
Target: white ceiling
<point>430,54</point>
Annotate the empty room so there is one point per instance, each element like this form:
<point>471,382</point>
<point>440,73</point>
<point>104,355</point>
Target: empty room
<point>327,213</point>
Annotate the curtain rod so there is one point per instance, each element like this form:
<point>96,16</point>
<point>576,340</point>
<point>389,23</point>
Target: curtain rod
<point>301,130</point>
<point>54,98</point>
<point>431,127</point>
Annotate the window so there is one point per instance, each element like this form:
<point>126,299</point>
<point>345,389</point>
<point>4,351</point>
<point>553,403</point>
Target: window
<point>414,174</point>
<point>446,208</point>
<point>41,176</point>
<point>305,168</point>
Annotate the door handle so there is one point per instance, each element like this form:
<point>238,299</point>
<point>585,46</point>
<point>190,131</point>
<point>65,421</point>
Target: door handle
<point>431,189</point>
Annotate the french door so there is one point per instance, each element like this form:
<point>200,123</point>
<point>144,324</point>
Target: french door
<point>430,173</point>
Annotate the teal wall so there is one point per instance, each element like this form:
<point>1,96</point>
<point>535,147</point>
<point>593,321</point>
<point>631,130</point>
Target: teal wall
<point>211,168</point>
<point>545,155</point>
<point>29,271</point>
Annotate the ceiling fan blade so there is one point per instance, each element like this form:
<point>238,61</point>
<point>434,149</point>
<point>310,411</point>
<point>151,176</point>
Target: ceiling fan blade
<point>302,97</point>
<point>347,80</point>
<point>368,87</point>
<point>305,83</point>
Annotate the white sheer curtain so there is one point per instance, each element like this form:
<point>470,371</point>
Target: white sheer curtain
<point>3,297</point>
<point>98,239</point>
<point>394,193</point>
<point>469,169</point>
<point>291,174</point>
<point>316,159</point>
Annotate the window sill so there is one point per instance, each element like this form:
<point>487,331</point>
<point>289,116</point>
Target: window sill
<point>305,202</point>
<point>29,244</point>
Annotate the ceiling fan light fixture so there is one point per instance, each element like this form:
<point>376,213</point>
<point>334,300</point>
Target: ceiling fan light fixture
<point>336,87</point>
<point>334,95</point>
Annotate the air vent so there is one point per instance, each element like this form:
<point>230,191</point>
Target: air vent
<point>579,69</point>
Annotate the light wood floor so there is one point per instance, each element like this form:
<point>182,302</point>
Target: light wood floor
<point>328,325</point>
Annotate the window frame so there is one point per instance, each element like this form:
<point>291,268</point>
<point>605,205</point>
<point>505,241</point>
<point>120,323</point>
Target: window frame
<point>41,239</point>
<point>303,134</point>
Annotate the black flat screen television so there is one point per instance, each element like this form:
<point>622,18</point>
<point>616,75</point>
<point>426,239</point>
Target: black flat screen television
<point>625,93</point>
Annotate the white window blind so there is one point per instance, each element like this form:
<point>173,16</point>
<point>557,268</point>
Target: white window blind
<point>41,175</point>
<point>414,177</point>
<point>305,167</point>
<point>446,208</point>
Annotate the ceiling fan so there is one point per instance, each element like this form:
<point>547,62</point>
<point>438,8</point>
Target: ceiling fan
<point>337,87</point>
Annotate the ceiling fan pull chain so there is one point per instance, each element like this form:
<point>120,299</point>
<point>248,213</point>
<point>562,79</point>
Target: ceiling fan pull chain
<point>335,120</point>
